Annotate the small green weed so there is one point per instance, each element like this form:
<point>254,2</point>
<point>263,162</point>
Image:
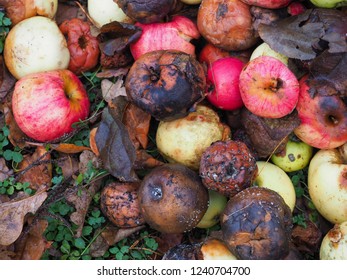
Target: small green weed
<point>7,153</point>
<point>9,186</point>
<point>5,23</point>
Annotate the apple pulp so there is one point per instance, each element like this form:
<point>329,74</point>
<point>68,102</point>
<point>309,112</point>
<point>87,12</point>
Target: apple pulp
<point>223,83</point>
<point>268,88</point>
<point>46,104</point>
<point>323,119</point>
<point>174,35</point>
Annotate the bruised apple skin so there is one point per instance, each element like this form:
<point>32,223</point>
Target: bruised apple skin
<point>227,24</point>
<point>172,198</point>
<point>268,88</point>
<point>185,139</point>
<point>166,84</point>
<point>120,204</point>
<point>256,225</point>
<point>323,119</point>
<point>175,35</point>
<point>227,167</point>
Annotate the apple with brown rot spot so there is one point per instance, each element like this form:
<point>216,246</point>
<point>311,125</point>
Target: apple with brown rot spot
<point>268,87</point>
<point>46,104</point>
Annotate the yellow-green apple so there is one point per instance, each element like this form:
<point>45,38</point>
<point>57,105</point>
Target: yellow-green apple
<point>175,35</point>
<point>215,249</point>
<point>191,2</point>
<point>329,3</point>
<point>106,11</point>
<point>265,49</point>
<point>20,10</point>
<point>334,243</point>
<point>268,88</point>
<point>184,140</point>
<point>272,4</point>
<point>327,184</point>
<point>34,45</point>
<point>223,83</point>
<point>274,178</point>
<point>46,104</point>
<point>216,205</point>
<point>323,119</point>
<point>294,157</point>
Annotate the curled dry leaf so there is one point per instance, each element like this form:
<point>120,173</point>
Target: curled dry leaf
<point>7,81</point>
<point>12,216</point>
<point>117,151</point>
<point>16,136</point>
<point>92,141</point>
<point>36,169</point>
<point>68,148</point>
<point>112,90</point>
<point>304,35</point>
<point>33,244</point>
<point>68,165</point>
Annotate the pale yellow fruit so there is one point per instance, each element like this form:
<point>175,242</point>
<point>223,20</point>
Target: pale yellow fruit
<point>34,45</point>
<point>214,249</point>
<point>264,49</point>
<point>327,185</point>
<point>274,178</point>
<point>334,243</point>
<point>106,11</point>
<point>184,140</point>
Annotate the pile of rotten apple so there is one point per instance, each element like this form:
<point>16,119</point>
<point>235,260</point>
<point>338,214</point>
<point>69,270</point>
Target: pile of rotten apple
<point>224,103</point>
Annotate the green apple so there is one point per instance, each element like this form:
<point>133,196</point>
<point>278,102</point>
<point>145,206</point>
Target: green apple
<point>264,49</point>
<point>329,3</point>
<point>334,243</point>
<point>297,155</point>
<point>327,184</point>
<point>274,178</point>
<point>217,203</point>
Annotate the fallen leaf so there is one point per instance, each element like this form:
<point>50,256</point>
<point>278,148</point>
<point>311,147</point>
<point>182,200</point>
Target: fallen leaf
<point>16,136</point>
<point>67,11</point>
<point>7,81</point>
<point>68,164</point>
<point>87,157</point>
<point>117,152</point>
<point>92,141</point>
<point>33,244</point>
<point>36,169</point>
<point>112,90</point>
<point>12,216</point>
<point>68,148</point>
<point>137,123</point>
<point>112,73</point>
<point>306,34</point>
<point>7,253</point>
<point>145,161</point>
<point>5,172</point>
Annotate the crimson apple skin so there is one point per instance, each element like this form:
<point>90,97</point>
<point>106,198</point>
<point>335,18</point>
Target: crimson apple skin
<point>268,88</point>
<point>323,119</point>
<point>46,104</point>
<point>223,78</point>
<point>175,35</point>
<point>270,4</point>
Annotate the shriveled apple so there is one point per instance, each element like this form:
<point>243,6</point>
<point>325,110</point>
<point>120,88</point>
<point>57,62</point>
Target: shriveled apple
<point>327,184</point>
<point>33,45</point>
<point>268,88</point>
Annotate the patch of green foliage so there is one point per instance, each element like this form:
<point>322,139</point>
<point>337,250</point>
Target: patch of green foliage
<point>9,186</point>
<point>5,23</point>
<point>8,153</point>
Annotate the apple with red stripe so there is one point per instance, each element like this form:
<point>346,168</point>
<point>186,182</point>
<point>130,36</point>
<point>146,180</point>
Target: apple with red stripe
<point>46,104</point>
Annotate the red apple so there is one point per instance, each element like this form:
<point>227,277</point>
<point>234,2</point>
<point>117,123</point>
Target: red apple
<point>223,83</point>
<point>175,35</point>
<point>296,8</point>
<point>270,4</point>
<point>323,119</point>
<point>46,104</point>
<point>268,88</point>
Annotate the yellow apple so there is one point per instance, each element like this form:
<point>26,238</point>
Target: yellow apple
<point>264,49</point>
<point>274,178</point>
<point>327,184</point>
<point>334,243</point>
<point>214,249</point>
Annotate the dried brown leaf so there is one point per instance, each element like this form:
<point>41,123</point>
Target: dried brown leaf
<point>37,167</point>
<point>112,234</point>
<point>16,136</point>
<point>68,148</point>
<point>69,165</point>
<point>5,172</point>
<point>92,141</point>
<point>12,216</point>
<point>112,90</point>
<point>7,81</point>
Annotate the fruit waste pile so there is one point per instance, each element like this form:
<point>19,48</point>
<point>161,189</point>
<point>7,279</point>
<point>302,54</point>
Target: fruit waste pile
<point>213,129</point>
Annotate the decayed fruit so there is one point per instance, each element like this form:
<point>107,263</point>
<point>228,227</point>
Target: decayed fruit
<point>268,88</point>
<point>120,204</point>
<point>172,198</point>
<point>166,83</point>
<point>256,224</point>
<point>227,167</point>
<point>334,244</point>
<point>227,24</point>
<point>185,139</point>
<point>270,4</point>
